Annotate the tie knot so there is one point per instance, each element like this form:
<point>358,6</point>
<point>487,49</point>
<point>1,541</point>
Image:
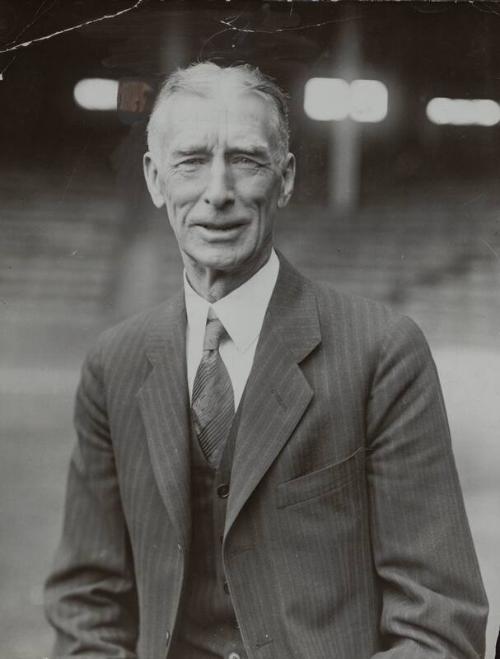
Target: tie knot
<point>214,332</point>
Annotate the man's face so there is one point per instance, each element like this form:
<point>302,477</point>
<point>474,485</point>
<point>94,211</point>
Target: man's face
<point>220,179</point>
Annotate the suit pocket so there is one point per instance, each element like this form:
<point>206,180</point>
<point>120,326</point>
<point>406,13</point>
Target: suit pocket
<point>322,481</point>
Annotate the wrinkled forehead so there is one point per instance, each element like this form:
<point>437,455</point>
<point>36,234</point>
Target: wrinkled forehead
<point>231,113</point>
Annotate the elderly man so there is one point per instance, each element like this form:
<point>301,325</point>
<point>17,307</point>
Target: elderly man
<point>263,466</point>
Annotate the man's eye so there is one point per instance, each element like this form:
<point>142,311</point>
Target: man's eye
<point>192,162</point>
<point>245,161</point>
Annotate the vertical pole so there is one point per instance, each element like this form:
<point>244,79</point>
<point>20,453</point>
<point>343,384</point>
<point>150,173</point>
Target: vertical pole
<point>142,251</point>
<point>344,152</point>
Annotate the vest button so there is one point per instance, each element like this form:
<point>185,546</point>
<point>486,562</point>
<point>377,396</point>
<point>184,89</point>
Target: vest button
<point>233,655</point>
<point>223,490</point>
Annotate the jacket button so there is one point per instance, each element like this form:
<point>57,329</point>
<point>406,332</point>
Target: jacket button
<point>167,637</point>
<point>223,490</point>
<point>226,587</point>
<point>233,655</point>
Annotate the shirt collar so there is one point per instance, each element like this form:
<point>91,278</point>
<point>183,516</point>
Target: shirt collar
<point>242,311</point>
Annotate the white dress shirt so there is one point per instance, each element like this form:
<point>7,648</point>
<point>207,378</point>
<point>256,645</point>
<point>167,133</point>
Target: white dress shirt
<point>242,314</point>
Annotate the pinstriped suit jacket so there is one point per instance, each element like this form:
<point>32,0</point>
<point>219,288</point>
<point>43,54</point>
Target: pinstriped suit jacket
<point>346,534</point>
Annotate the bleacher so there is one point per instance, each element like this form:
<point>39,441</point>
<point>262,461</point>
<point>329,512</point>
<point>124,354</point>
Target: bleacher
<point>438,266</point>
<point>60,254</point>
<point>57,253</point>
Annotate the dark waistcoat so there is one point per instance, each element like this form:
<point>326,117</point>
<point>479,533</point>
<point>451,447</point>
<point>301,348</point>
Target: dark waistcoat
<point>207,626</point>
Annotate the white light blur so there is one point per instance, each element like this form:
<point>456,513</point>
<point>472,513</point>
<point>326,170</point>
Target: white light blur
<point>326,99</point>
<point>96,94</point>
<point>369,101</point>
<point>463,112</point>
<point>334,99</point>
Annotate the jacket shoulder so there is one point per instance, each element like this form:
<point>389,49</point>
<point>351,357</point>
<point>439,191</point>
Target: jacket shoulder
<point>331,300</point>
<point>127,340</point>
<point>361,319</point>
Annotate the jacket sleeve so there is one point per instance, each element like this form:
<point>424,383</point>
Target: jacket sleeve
<point>90,595</point>
<point>434,603</point>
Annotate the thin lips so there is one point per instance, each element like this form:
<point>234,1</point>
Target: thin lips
<point>218,226</point>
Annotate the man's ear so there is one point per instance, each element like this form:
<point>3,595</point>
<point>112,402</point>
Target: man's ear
<point>153,180</point>
<point>287,181</point>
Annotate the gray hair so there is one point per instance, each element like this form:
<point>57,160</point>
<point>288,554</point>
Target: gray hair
<point>200,78</point>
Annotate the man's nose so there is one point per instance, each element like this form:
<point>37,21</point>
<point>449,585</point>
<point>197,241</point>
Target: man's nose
<point>219,190</point>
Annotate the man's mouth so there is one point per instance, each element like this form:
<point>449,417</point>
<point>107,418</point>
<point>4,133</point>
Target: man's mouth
<point>218,226</point>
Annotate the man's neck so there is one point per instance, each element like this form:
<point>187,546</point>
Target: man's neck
<point>212,285</point>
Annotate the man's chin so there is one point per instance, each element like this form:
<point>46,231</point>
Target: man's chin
<point>227,265</point>
<point>226,258</point>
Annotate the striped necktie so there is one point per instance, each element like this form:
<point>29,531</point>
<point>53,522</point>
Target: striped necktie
<point>212,403</point>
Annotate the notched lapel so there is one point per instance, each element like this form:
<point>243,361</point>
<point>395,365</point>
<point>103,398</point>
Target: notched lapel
<point>277,393</point>
<point>164,404</point>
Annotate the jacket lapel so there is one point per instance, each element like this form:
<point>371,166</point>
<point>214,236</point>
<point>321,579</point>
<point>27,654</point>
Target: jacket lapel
<point>164,404</point>
<point>277,392</point>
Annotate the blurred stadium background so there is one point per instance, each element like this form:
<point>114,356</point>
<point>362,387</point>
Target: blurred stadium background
<point>397,199</point>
